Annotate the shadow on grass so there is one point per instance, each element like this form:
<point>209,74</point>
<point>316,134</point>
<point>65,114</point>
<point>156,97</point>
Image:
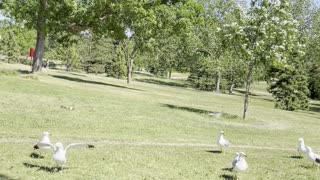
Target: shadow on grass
<point>243,92</point>
<point>5,177</point>
<point>36,156</point>
<point>159,82</point>
<point>143,74</point>
<point>214,151</point>
<point>314,108</point>
<point>194,110</point>
<point>24,72</point>
<point>78,74</point>
<point>228,177</point>
<point>227,169</point>
<point>307,167</point>
<point>92,82</point>
<point>44,168</point>
<point>296,157</point>
<point>199,111</point>
<point>254,96</point>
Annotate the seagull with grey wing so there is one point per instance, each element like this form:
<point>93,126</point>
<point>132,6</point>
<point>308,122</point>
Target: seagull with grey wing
<point>314,158</point>
<point>301,147</point>
<point>60,154</point>
<point>42,144</point>
<point>235,159</point>
<point>222,142</point>
<point>240,164</point>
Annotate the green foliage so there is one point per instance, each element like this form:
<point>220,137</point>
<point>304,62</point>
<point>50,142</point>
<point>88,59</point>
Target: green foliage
<point>203,75</point>
<point>9,44</point>
<point>313,57</point>
<point>289,87</point>
<point>26,39</point>
<point>68,55</point>
<point>314,82</point>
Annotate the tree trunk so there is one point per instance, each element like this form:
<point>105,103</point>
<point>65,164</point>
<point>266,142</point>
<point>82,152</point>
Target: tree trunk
<point>68,68</point>
<point>248,83</point>
<point>169,73</point>
<point>41,37</point>
<point>231,88</point>
<point>129,70</point>
<point>218,79</point>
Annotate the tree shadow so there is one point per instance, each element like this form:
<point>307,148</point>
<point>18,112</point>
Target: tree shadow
<point>92,82</point>
<point>214,151</point>
<point>296,157</point>
<point>194,110</point>
<point>36,156</point>
<point>23,71</point>
<point>143,74</point>
<point>159,82</point>
<point>199,111</point>
<point>314,108</point>
<point>5,177</point>
<point>243,92</point>
<point>81,75</point>
<point>44,168</point>
<point>306,167</point>
<point>258,97</point>
<point>228,177</point>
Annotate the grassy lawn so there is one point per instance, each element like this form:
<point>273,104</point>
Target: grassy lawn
<point>150,110</point>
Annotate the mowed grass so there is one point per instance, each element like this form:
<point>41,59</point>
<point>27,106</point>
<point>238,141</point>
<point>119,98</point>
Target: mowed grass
<point>146,111</point>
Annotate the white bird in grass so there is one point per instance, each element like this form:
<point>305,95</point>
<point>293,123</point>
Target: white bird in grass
<point>235,159</point>
<point>301,146</point>
<point>222,143</point>
<point>240,164</point>
<point>60,154</point>
<point>314,158</point>
<point>42,144</point>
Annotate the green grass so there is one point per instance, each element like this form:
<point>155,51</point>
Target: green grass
<point>107,109</point>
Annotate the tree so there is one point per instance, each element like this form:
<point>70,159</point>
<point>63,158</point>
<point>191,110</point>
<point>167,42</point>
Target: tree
<point>57,17</point>
<point>139,20</point>
<point>313,56</point>
<point>10,46</point>
<point>265,34</point>
<point>218,13</point>
<point>289,87</point>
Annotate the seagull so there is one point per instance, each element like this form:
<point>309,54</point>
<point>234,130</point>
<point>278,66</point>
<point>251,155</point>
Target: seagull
<point>241,164</point>
<point>235,159</point>
<point>314,158</point>
<point>59,155</point>
<point>42,144</point>
<point>301,146</point>
<point>222,143</point>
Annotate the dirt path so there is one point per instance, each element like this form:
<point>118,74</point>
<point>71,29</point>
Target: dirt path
<point>125,143</point>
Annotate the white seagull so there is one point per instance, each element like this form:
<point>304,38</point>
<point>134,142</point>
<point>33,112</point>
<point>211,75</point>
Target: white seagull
<point>241,164</point>
<point>301,146</point>
<point>42,144</point>
<point>222,143</point>
<point>60,154</point>
<point>314,158</point>
<point>235,159</point>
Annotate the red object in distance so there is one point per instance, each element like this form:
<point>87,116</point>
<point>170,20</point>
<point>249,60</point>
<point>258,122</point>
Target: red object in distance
<point>31,52</point>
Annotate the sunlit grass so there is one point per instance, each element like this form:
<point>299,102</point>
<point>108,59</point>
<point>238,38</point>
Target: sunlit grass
<point>107,109</point>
